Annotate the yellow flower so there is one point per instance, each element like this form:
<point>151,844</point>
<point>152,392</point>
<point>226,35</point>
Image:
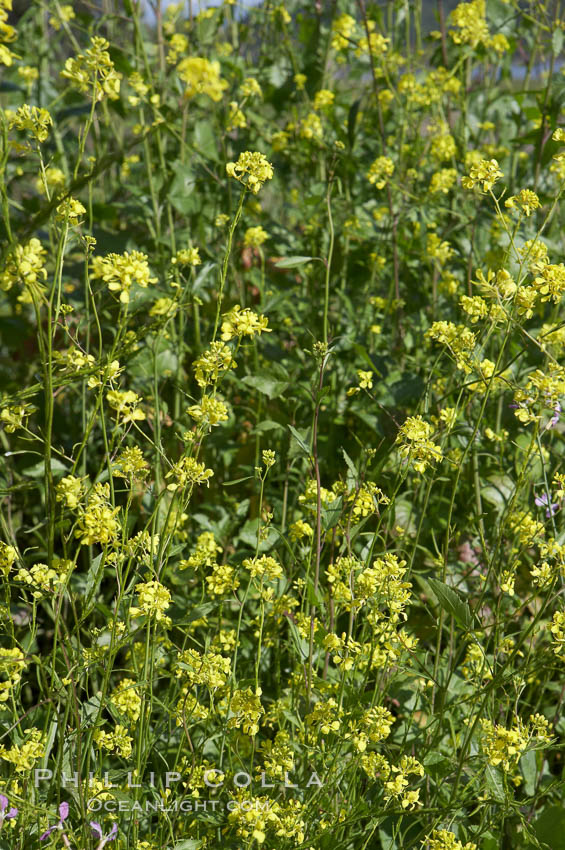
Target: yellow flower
<point>209,411</point>
<point>125,403</point>
<point>65,14</point>
<point>415,444</point>
<point>187,257</point>
<point>33,119</point>
<point>526,200</point>
<point>323,99</point>
<point>343,28</point>
<point>244,322</point>
<point>201,77</point>
<point>236,118</point>
<point>70,490</point>
<point>153,599</point>
<point>93,71</point>
<point>255,166</point>
<point>250,88</point>
<point>70,211</point>
<point>485,173</point>
<point>255,236</point>
<point>121,271</point>
<point>380,170</point>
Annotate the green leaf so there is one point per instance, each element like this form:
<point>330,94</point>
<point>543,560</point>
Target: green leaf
<point>266,385</point>
<point>350,465</point>
<point>188,844</point>
<point>451,602</point>
<point>181,193</point>
<point>268,425</point>
<point>237,480</point>
<point>38,469</point>
<point>550,827</point>
<point>495,782</point>
<point>529,770</point>
<point>293,262</point>
<point>498,491</point>
<point>205,140</point>
<point>299,440</point>
<point>93,581</point>
<point>331,513</point>
<point>557,41</point>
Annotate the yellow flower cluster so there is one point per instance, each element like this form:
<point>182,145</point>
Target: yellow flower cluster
<point>210,669</point>
<point>43,579</point>
<point>208,412</point>
<point>70,210</point>
<point>201,77</point>
<point>188,471</point>
<point>8,556</point>
<point>222,580</point>
<point>127,700</point>
<point>130,463</point>
<point>245,710</point>
<point>252,169</point>
<point>504,746</point>
<point>343,28</point>
<point>458,338</point>
<point>525,200</point>
<point>394,777</point>
<point>121,271</point>
<point>255,236</point>
<point>125,404</point>
<point>415,444</point>
<point>25,756</point>
<point>243,322</point>
<point>97,523</point>
<point>7,34</point>
<point>443,839</point>
<point>472,28</point>
<point>187,257</point>
<point>380,170</point>
<point>14,417</point>
<point>209,366</point>
<point>443,181</point>
<point>255,817</point>
<point>153,599</point>
<point>117,741</point>
<point>205,553</point>
<point>93,71</point>
<point>558,632</point>
<point>550,281</point>
<point>266,567</point>
<point>25,265</point>
<point>34,120</point>
<point>251,88</point>
<point>485,174</point>
<point>12,665</point>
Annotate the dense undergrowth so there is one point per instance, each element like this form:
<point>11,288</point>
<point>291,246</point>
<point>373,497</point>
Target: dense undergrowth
<point>281,539</point>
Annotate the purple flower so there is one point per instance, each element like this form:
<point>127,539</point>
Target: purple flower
<point>63,815</point>
<point>104,839</point>
<point>6,815</point>
<point>542,501</point>
<point>555,418</point>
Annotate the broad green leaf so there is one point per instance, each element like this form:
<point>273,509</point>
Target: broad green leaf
<point>350,465</point>
<point>299,440</point>
<point>266,385</point>
<point>549,827</point>
<point>495,782</point>
<point>451,602</point>
<point>293,262</point>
